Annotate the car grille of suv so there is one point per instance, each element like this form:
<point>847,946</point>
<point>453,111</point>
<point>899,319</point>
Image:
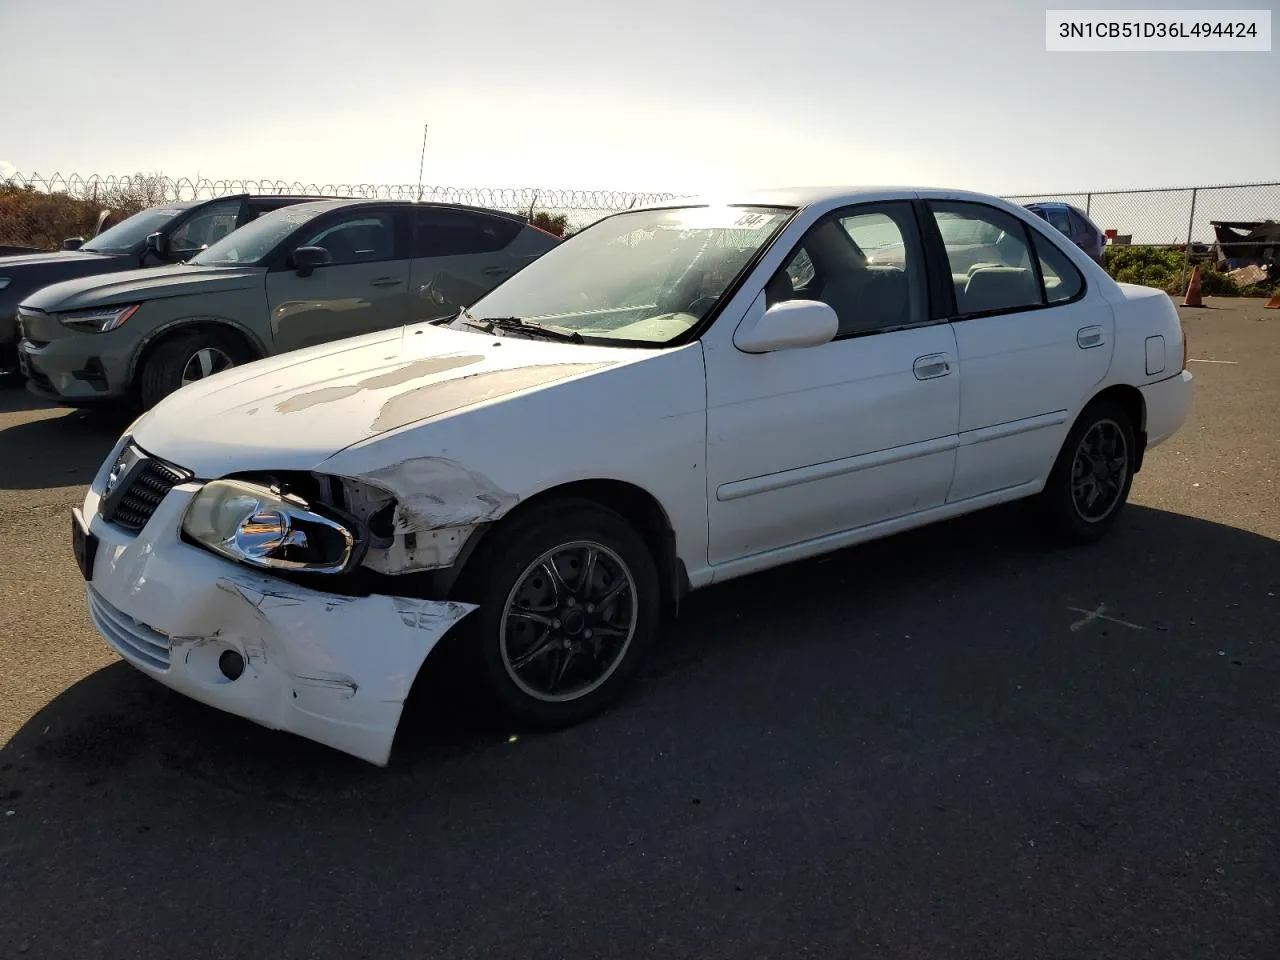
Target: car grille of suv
<point>140,491</point>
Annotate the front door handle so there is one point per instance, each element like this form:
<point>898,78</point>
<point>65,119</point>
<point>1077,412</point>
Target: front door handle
<point>385,282</point>
<point>932,366</point>
<point>1088,337</point>
<point>495,271</point>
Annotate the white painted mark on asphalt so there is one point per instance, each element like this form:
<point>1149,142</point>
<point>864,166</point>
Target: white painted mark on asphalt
<point>1099,614</point>
<point>1234,363</point>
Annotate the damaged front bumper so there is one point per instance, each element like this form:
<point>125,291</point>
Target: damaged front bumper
<point>332,668</point>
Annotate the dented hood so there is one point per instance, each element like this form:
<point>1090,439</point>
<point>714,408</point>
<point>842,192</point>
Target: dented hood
<point>293,411</point>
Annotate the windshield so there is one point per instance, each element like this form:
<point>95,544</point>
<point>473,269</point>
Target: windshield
<point>646,276</point>
<point>255,240</point>
<point>128,234</point>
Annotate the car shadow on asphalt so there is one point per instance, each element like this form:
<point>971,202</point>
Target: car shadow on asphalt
<point>59,450</point>
<point>961,688</point>
<point>14,396</point>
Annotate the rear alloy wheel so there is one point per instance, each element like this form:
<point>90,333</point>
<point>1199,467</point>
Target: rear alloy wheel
<point>186,358</point>
<point>569,603</point>
<point>1091,479</point>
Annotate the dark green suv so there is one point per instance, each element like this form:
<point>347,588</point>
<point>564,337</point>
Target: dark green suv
<point>168,233</point>
<point>303,275</point>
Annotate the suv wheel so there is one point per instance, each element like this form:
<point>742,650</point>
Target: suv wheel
<point>184,359</point>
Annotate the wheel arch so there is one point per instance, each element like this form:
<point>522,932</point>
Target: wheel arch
<point>1131,400</point>
<point>197,324</point>
<point>636,505</point>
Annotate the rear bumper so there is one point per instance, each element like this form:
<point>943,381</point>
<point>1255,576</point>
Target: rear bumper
<point>1168,405</point>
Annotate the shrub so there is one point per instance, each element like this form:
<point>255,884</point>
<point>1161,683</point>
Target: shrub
<point>1162,267</point>
<point>31,218</point>
<point>556,223</point>
<point>36,218</point>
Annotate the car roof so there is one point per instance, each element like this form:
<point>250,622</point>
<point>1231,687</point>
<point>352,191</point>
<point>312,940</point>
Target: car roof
<point>826,197</point>
<point>325,204</point>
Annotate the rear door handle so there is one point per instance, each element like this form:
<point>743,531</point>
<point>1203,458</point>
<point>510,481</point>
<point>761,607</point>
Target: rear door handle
<point>495,271</point>
<point>932,366</point>
<point>385,282</point>
<point>1087,337</point>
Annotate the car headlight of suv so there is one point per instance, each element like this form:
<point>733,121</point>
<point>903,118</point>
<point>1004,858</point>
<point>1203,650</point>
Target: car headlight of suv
<point>263,527</point>
<point>99,319</point>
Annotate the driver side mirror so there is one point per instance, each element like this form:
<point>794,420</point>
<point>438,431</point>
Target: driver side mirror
<point>73,243</point>
<point>305,260</point>
<point>158,244</point>
<point>785,326</point>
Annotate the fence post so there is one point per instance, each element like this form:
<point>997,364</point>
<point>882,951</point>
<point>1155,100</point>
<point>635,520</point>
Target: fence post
<point>1088,203</point>
<point>1191,220</point>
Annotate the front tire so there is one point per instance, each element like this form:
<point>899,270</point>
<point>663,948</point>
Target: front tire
<point>570,603</point>
<point>185,358</point>
<point>1093,474</point>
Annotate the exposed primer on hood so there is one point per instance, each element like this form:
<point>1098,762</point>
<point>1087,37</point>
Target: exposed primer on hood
<point>294,411</point>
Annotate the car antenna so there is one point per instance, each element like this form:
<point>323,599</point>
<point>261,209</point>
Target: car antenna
<point>422,161</point>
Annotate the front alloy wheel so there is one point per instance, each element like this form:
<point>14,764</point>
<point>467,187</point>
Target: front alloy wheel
<point>569,602</point>
<point>568,621</point>
<point>205,362</point>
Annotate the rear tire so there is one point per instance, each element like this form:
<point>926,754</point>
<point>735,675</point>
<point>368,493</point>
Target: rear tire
<point>184,358</point>
<point>560,635</point>
<point>1090,480</point>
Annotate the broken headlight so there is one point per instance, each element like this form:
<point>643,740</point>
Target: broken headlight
<point>265,527</point>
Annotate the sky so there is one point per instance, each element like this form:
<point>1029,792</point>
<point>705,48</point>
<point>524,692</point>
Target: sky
<point>669,95</point>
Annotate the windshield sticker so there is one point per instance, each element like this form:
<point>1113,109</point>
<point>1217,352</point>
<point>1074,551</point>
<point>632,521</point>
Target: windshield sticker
<point>723,218</point>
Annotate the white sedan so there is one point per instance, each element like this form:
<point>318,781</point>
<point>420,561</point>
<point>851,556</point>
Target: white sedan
<point>676,396</point>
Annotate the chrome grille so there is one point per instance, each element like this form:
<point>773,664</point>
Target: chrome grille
<point>140,491</point>
<point>134,641</point>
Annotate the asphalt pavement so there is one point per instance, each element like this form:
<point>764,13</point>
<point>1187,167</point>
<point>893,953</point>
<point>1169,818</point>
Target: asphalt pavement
<point>958,742</point>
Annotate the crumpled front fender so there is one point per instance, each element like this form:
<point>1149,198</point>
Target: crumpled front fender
<point>329,667</point>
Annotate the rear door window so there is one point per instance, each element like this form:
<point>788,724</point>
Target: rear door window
<point>988,256</point>
<point>441,232</point>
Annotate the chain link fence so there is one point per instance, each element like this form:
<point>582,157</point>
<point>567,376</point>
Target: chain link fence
<point>38,211</point>
<point>1172,216</point>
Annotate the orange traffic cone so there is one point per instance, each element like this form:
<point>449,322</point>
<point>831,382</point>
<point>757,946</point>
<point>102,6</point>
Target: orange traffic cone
<point>1273,303</point>
<point>1193,298</point>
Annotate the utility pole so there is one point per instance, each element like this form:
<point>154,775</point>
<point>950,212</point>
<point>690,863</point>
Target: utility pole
<point>422,160</point>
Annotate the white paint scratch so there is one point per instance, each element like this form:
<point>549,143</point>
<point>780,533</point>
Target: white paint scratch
<point>1099,614</point>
